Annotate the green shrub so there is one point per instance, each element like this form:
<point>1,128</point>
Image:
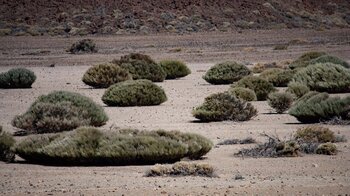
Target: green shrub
<point>104,75</point>
<point>315,134</point>
<point>245,94</point>
<point>314,107</point>
<point>304,60</point>
<point>224,106</point>
<point>281,102</point>
<point>182,169</point>
<point>89,146</point>
<point>83,46</point>
<point>260,86</point>
<point>60,111</point>
<point>277,76</point>
<point>330,59</point>
<point>297,89</point>
<point>6,144</point>
<point>175,69</point>
<point>134,93</point>
<point>325,77</point>
<point>141,67</point>
<point>327,149</point>
<point>17,78</point>
<point>226,73</point>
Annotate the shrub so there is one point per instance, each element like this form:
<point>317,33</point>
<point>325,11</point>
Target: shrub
<point>83,46</point>
<point>247,140</point>
<point>6,144</point>
<point>60,111</point>
<point>281,102</point>
<point>315,134</point>
<point>104,75</point>
<point>175,69</point>
<point>297,89</point>
<point>226,73</point>
<point>89,146</point>
<point>245,94</point>
<point>314,107</point>
<point>277,76</point>
<point>17,78</point>
<point>224,106</point>
<point>260,86</point>
<point>182,169</point>
<point>304,60</point>
<point>281,47</point>
<point>141,67</point>
<point>325,77</point>
<point>330,59</point>
<point>327,149</point>
<point>259,67</point>
<point>134,93</point>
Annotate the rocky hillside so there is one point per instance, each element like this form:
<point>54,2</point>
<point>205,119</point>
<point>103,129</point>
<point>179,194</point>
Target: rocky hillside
<point>81,17</point>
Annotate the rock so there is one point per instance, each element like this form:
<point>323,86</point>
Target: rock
<point>167,16</point>
<point>170,28</point>
<point>62,17</point>
<point>226,24</point>
<point>107,29</point>
<point>144,29</point>
<point>268,5</point>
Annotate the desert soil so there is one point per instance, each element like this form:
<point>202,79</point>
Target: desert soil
<point>312,174</point>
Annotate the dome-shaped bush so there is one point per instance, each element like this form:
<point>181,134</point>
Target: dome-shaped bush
<point>17,78</point>
<point>134,93</point>
<point>330,59</point>
<point>83,46</point>
<point>60,111</point>
<point>89,146</point>
<point>224,106</point>
<point>104,75</point>
<point>297,89</point>
<point>304,60</point>
<point>325,77</point>
<point>141,67</point>
<point>315,107</point>
<point>175,69</point>
<point>277,76</point>
<point>226,73</point>
<point>315,134</point>
<point>281,102</point>
<point>260,86</point>
<point>245,94</point>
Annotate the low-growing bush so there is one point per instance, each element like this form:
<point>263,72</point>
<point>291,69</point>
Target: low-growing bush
<point>281,102</point>
<point>226,73</point>
<point>182,169</point>
<point>327,149</point>
<point>89,146</point>
<point>83,46</point>
<point>6,144</point>
<point>17,78</point>
<point>245,94</point>
<point>315,134</point>
<point>314,107</point>
<point>60,111</point>
<point>304,60</point>
<point>175,69</point>
<point>259,67</point>
<point>141,66</point>
<point>325,77</point>
<point>224,106</point>
<point>248,140</point>
<point>297,89</point>
<point>277,76</point>
<point>260,86</point>
<point>330,59</point>
<point>134,93</point>
<point>104,75</point>
<point>281,47</point>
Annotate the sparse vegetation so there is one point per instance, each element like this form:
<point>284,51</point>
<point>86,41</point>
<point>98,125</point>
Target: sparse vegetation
<point>259,67</point>
<point>281,47</point>
<point>304,60</point>
<point>281,102</point>
<point>60,111</point>
<point>224,106</point>
<point>245,94</point>
<point>83,46</point>
<point>277,76</point>
<point>327,149</point>
<point>330,59</point>
<point>315,107</point>
<point>17,78</point>
<point>134,93</point>
<point>226,73</point>
<point>104,75</point>
<point>260,86</point>
<point>248,140</point>
<point>89,146</point>
<point>325,77</point>
<point>182,169</point>
<point>315,134</point>
<point>175,69</point>
<point>297,89</point>
<point>6,144</point>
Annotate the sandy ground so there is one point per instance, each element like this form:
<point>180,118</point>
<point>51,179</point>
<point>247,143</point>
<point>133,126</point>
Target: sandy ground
<point>310,174</point>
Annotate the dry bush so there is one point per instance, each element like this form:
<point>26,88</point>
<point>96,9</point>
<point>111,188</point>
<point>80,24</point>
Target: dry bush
<point>6,144</point>
<point>226,73</point>
<point>174,69</point>
<point>281,102</point>
<point>315,134</point>
<point>248,140</point>
<point>17,78</point>
<point>182,169</point>
<point>327,149</point>
<point>83,46</point>
<point>281,47</point>
<point>260,86</point>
